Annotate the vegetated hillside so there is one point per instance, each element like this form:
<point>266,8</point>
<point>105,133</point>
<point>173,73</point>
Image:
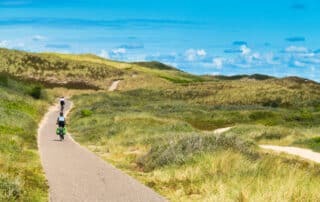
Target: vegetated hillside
<point>158,128</point>
<point>164,137</point>
<point>84,71</point>
<point>21,174</point>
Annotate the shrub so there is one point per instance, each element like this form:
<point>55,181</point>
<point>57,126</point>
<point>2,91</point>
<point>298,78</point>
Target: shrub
<point>272,103</point>
<point>86,112</point>
<point>36,92</point>
<point>3,79</point>
<point>182,150</point>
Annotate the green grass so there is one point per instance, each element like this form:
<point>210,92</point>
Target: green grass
<point>85,71</point>
<point>163,137</point>
<point>158,127</point>
<point>310,142</point>
<point>21,174</point>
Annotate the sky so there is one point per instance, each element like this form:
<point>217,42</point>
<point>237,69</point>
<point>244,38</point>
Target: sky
<point>279,38</point>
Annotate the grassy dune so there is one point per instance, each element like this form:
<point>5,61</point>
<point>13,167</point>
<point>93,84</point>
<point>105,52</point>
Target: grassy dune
<point>158,127</point>
<point>164,137</point>
<point>21,174</point>
<point>85,71</point>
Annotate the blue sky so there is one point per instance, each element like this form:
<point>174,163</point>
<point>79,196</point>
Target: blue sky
<point>227,37</point>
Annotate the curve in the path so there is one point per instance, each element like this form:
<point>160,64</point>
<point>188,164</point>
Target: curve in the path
<point>303,153</point>
<point>76,174</point>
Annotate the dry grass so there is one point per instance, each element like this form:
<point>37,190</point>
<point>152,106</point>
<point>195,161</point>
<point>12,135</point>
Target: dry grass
<point>156,136</point>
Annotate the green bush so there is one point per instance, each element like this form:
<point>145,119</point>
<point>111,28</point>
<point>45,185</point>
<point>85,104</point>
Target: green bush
<point>4,79</point>
<point>86,112</point>
<point>36,92</point>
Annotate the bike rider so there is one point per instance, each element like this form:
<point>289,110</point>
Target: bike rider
<point>61,121</point>
<point>62,103</point>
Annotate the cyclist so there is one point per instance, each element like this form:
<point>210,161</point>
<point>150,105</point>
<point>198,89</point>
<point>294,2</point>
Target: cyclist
<point>61,130</point>
<point>62,103</point>
<point>61,121</point>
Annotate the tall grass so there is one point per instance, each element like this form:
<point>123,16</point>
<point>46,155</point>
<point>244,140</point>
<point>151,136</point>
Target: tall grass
<point>163,137</point>
<point>83,71</point>
<point>21,174</point>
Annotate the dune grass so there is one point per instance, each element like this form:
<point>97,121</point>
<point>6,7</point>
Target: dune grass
<point>158,127</point>
<point>21,174</point>
<point>163,137</point>
<point>85,71</point>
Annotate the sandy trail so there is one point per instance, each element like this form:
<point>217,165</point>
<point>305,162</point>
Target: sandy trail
<point>221,130</point>
<point>114,86</point>
<point>303,153</point>
<point>76,174</point>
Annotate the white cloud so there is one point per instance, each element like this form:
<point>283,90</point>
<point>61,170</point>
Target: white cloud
<point>296,49</point>
<point>104,54</point>
<point>299,64</point>
<point>119,51</point>
<point>192,54</point>
<point>201,52</point>
<point>245,50</point>
<point>218,62</point>
<point>4,43</point>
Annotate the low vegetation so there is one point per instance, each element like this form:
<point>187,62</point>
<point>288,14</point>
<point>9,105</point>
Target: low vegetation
<point>21,174</point>
<point>164,137</point>
<point>158,127</point>
<point>84,71</point>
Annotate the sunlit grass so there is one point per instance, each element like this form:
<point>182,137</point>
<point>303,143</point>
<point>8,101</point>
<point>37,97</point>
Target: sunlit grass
<point>21,174</point>
<point>164,138</point>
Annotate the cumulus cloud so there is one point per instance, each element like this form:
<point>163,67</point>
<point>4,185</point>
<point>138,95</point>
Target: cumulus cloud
<point>192,54</point>
<point>245,50</point>
<point>105,54</point>
<point>296,39</point>
<point>4,43</point>
<point>218,62</point>
<point>201,52</point>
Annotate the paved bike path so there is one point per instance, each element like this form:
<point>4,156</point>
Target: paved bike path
<point>76,174</point>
